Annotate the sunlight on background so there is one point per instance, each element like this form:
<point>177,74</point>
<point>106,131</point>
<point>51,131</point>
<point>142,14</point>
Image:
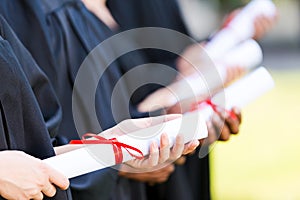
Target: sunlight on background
<point>263,162</point>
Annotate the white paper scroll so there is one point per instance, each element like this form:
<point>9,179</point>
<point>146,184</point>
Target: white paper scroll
<point>247,54</point>
<point>243,91</point>
<point>95,157</point>
<point>240,28</point>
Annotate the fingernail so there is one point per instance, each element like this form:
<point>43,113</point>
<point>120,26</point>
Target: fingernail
<point>193,145</point>
<point>154,145</point>
<point>196,143</point>
<point>164,136</point>
<point>165,139</point>
<point>180,136</point>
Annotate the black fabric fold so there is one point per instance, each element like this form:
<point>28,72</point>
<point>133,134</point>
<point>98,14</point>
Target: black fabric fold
<point>22,121</point>
<point>190,181</point>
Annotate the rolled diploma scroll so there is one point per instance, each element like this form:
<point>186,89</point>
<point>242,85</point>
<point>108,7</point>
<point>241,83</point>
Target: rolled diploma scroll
<point>240,28</point>
<point>243,91</point>
<point>248,54</point>
<point>95,157</point>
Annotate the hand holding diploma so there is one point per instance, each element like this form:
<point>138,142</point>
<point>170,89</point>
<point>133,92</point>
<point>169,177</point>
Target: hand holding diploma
<point>161,153</point>
<point>238,95</point>
<point>262,23</point>
<point>134,139</point>
<point>201,77</point>
<point>222,126</point>
<point>246,54</point>
<point>25,177</point>
<point>231,50</point>
<point>250,22</point>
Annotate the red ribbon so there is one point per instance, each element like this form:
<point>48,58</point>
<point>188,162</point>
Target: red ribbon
<point>117,146</point>
<point>217,109</point>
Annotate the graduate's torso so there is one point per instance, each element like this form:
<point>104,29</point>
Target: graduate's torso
<point>71,32</point>
<point>194,175</point>
<point>22,122</point>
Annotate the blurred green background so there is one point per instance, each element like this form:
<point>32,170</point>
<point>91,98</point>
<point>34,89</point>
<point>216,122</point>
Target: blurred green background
<point>263,161</point>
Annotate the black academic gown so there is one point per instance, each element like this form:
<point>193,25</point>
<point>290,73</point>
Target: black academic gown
<point>62,34</point>
<point>190,181</point>
<point>24,95</point>
<point>41,86</point>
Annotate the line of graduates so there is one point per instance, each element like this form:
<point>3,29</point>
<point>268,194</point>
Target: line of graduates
<point>42,46</point>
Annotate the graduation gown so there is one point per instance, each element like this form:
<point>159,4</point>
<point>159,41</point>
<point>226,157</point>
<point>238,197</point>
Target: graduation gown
<point>67,32</point>
<point>190,181</point>
<point>80,32</point>
<point>24,94</point>
<point>40,84</point>
<point>154,13</point>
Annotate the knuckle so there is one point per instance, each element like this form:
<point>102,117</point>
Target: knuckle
<point>23,195</point>
<point>164,158</point>
<point>41,182</point>
<point>43,168</point>
<point>152,164</point>
<point>175,156</point>
<point>31,193</point>
<point>52,192</point>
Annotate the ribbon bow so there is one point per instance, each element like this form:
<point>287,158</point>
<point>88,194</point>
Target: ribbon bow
<point>117,146</point>
<point>216,108</point>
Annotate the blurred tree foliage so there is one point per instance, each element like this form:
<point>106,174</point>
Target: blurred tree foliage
<point>228,5</point>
